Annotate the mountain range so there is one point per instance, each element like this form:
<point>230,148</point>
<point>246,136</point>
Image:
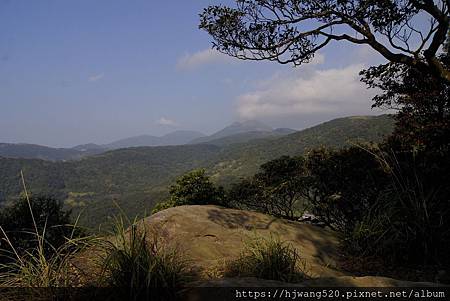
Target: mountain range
<point>237,132</point>
<point>137,178</point>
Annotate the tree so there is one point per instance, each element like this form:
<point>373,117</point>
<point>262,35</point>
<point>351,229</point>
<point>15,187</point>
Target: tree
<point>193,188</point>
<point>282,179</point>
<point>292,31</point>
<point>277,190</point>
<point>423,102</point>
<point>343,185</point>
<point>248,194</point>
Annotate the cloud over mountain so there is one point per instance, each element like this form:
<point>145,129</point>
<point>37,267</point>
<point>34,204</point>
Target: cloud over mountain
<point>307,91</point>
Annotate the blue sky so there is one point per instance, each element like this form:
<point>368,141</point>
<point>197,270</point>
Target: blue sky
<point>83,71</point>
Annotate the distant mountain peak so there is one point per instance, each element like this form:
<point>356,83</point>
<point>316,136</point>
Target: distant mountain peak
<point>239,127</point>
<point>251,126</point>
<point>239,131</point>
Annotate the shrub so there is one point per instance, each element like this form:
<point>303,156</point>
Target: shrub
<point>28,219</point>
<point>269,259</point>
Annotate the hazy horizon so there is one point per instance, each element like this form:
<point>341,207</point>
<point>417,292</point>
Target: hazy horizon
<point>94,72</point>
<point>169,132</point>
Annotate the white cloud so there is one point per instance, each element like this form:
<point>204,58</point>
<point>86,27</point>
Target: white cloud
<point>199,58</point>
<point>166,121</point>
<point>308,91</point>
<point>318,59</point>
<point>96,77</point>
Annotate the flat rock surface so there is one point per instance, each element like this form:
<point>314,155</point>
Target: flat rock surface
<point>210,236</point>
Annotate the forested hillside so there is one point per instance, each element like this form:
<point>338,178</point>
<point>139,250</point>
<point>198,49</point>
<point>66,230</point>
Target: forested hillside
<point>136,178</point>
<point>244,159</point>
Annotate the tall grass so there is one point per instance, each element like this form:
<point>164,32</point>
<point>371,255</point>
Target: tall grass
<point>134,261</point>
<point>409,222</point>
<point>269,258</point>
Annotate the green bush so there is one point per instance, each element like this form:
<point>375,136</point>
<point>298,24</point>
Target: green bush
<point>269,259</point>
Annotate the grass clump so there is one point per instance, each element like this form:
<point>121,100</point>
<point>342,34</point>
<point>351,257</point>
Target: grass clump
<point>34,268</point>
<point>270,259</point>
<point>135,262</point>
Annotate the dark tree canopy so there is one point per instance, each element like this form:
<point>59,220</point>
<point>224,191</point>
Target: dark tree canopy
<point>292,31</point>
<point>277,190</point>
<point>422,101</point>
<point>193,188</point>
<point>51,219</point>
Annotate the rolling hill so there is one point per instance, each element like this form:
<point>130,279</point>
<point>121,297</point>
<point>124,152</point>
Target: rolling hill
<point>34,151</point>
<point>137,178</point>
<point>173,138</point>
